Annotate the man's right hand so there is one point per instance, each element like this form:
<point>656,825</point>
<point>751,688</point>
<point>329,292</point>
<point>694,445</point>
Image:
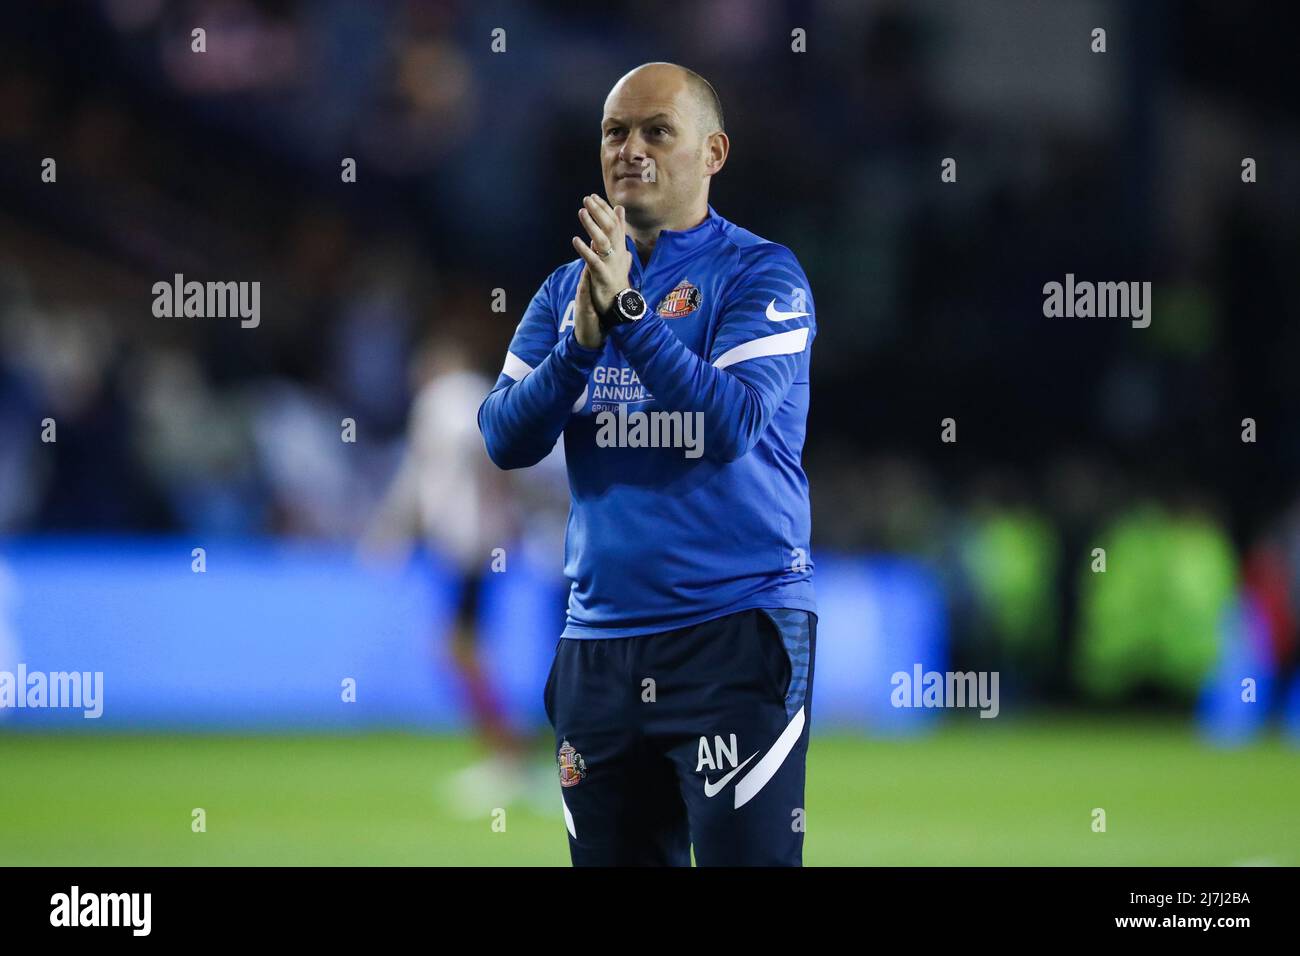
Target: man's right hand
<point>586,323</point>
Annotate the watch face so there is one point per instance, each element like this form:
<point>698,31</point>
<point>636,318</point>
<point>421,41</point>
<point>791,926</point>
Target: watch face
<point>631,304</point>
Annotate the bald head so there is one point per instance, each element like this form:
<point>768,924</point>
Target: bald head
<point>662,141</point>
<point>666,79</point>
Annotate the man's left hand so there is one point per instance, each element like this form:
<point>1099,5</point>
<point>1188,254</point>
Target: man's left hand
<point>607,228</point>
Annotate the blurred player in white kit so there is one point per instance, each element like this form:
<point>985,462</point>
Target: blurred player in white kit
<point>449,497</point>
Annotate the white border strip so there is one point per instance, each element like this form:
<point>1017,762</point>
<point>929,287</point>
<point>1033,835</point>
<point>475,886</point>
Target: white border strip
<point>568,818</point>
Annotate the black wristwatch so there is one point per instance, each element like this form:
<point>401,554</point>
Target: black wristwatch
<point>628,306</point>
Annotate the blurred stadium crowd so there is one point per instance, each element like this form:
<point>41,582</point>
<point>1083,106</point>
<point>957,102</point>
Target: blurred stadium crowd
<point>1073,434</point>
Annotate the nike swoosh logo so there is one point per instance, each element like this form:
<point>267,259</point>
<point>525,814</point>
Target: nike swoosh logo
<point>748,786</point>
<point>712,789</point>
<point>774,315</point>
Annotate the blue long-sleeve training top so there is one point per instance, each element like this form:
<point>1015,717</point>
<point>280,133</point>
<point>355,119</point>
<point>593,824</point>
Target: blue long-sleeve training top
<point>682,435</point>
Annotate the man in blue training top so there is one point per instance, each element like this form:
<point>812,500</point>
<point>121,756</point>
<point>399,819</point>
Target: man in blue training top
<point>673,355</point>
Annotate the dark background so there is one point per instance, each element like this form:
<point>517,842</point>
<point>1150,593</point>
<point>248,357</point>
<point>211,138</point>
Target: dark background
<point>1117,166</point>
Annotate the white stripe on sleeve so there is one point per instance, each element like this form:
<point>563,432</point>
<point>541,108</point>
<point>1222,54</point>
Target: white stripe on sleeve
<point>515,367</point>
<point>783,343</point>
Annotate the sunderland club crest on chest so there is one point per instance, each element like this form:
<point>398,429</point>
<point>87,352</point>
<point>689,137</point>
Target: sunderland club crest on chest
<point>683,300</point>
<point>572,767</point>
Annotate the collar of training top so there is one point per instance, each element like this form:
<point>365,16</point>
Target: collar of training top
<point>678,242</point>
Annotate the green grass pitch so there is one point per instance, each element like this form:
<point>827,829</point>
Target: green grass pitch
<point>970,794</point>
